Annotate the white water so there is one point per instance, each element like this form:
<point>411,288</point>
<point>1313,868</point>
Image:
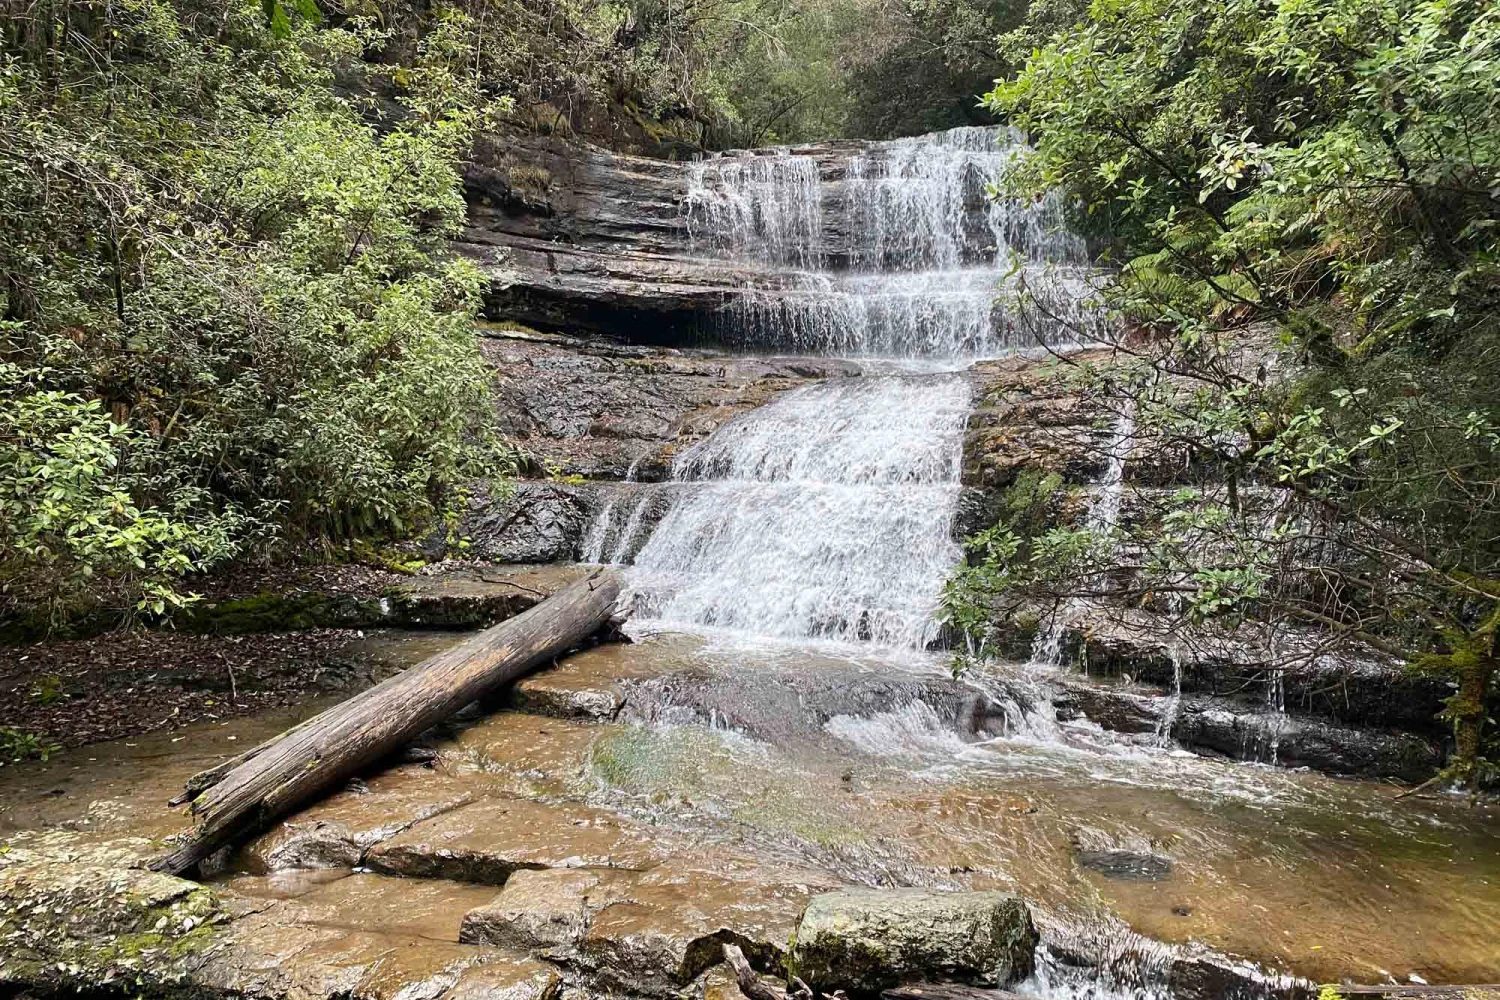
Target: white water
<point>1103,517</point>
<point>901,253</point>
<point>827,513</point>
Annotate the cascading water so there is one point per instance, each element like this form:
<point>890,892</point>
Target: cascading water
<point>901,254</point>
<point>827,513</point>
<point>1103,517</point>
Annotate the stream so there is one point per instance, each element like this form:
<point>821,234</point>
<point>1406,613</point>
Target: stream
<point>784,701</point>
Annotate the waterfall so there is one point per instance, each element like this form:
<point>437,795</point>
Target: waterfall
<point>826,513</point>
<point>765,208</point>
<point>899,252</point>
<point>1103,517</point>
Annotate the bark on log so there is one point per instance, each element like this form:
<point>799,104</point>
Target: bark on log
<point>944,991</point>
<point>750,983</point>
<point>271,780</point>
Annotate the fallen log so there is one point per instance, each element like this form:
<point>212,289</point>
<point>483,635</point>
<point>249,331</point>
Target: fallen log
<point>246,794</point>
<point>944,991</point>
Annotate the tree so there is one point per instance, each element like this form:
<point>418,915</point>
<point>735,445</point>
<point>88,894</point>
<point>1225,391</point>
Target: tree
<point>229,313</point>
<point>1300,201</point>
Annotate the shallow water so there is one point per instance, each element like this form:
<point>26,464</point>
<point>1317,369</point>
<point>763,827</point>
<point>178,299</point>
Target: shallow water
<point>1324,878</point>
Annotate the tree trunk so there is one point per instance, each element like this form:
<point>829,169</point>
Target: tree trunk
<point>1468,722</point>
<point>269,781</point>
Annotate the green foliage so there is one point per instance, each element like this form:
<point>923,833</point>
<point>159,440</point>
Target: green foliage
<point>673,78</point>
<point>229,314</point>
<point>17,745</point>
<point>1302,200</point>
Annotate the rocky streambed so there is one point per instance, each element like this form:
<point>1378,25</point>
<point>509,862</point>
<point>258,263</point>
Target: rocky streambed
<point>627,812</point>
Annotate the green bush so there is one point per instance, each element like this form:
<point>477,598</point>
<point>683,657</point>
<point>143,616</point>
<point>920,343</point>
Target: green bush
<point>229,313</point>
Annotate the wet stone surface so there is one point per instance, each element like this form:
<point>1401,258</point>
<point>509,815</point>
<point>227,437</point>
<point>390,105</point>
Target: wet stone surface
<point>577,851</point>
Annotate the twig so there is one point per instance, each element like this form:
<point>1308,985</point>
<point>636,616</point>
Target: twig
<point>751,984</point>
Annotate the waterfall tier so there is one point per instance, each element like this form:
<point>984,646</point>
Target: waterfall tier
<point>898,251</point>
<point>827,513</point>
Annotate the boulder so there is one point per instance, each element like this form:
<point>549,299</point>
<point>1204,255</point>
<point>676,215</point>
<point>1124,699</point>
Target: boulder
<point>531,522</point>
<point>649,932</point>
<point>866,940</point>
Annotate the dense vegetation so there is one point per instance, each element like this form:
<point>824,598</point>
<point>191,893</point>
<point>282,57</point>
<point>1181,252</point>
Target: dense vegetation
<point>226,314</point>
<point>675,77</point>
<point>1314,188</point>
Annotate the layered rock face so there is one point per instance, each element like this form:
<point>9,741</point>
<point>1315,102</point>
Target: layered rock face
<point>839,248</point>
<point>845,248</point>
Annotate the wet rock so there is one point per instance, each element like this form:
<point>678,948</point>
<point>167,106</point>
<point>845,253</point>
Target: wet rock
<point>432,909</point>
<point>1370,690</point>
<point>798,703</point>
<point>474,596</point>
<point>1295,741</point>
<point>1121,856</point>
<point>606,411</point>
<point>1114,709</point>
<point>676,918</point>
<point>1028,418</point>
<point>491,839</point>
<point>1243,731</point>
<point>531,523</point>
<point>650,932</point>
<point>544,696</point>
<point>864,940</point>
<point>83,927</point>
<point>337,831</point>
<point>544,911</point>
<point>269,955</point>
<point>603,245</point>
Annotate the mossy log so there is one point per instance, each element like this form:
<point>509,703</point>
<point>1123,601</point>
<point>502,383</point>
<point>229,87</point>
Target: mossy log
<point>247,793</point>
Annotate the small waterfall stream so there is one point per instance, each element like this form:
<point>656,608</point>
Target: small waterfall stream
<point>827,513</point>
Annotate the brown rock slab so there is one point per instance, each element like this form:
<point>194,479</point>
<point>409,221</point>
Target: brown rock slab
<point>336,832</point>
<point>545,911</point>
<point>654,931</point>
<point>521,754</point>
<point>431,909</point>
<point>267,956</point>
<point>677,917</point>
<point>489,840</point>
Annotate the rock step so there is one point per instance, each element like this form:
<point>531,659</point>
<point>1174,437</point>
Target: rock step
<point>1231,729</point>
<point>74,920</point>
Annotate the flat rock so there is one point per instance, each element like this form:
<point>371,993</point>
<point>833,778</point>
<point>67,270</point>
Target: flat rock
<point>545,911</point>
<point>520,754</point>
<point>337,831</point>
<point>86,926</point>
<point>491,839</point>
<point>476,596</point>
<point>866,940</point>
<point>432,909</point>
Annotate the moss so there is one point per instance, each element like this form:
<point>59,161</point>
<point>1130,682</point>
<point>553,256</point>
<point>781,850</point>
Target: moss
<point>83,927</point>
<point>271,612</point>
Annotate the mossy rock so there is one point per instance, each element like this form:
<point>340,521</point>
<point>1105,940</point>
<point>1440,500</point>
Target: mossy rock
<point>866,940</point>
<point>272,612</point>
<point>76,925</point>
